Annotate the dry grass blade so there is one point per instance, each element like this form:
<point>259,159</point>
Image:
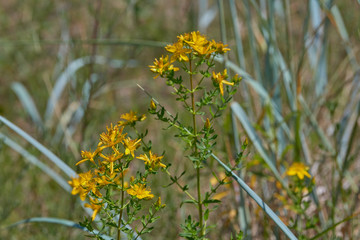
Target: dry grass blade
<point>52,157</point>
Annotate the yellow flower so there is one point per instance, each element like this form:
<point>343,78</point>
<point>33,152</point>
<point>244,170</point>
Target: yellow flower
<point>197,39</point>
<point>140,191</point>
<point>162,65</point>
<point>203,50</point>
<point>199,43</point>
<point>219,47</point>
<point>131,118</point>
<point>88,155</point>
<point>76,185</point>
<point>83,184</point>
<point>153,162</point>
<point>298,169</point>
<point>220,79</point>
<point>112,137</point>
<point>179,51</point>
<point>131,145</point>
<point>95,205</point>
<point>185,37</point>
<point>111,158</point>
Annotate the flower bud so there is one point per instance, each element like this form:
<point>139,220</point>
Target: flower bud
<point>236,78</point>
<point>207,123</point>
<point>142,117</point>
<point>158,203</point>
<point>152,105</point>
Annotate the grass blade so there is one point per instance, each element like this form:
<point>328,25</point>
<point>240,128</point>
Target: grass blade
<point>258,200</point>
<point>243,217</point>
<point>262,93</point>
<point>252,41</point>
<point>57,161</point>
<point>33,160</point>
<point>63,79</point>
<point>59,221</point>
<point>237,34</point>
<point>27,102</point>
<point>250,131</point>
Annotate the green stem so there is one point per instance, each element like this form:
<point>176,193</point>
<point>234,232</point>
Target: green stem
<point>195,151</point>
<point>151,216</point>
<point>181,187</point>
<point>121,207</point>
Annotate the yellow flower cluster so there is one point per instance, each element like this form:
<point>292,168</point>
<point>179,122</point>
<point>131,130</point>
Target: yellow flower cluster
<point>114,150</point>
<point>188,44</point>
<point>194,43</point>
<point>84,184</point>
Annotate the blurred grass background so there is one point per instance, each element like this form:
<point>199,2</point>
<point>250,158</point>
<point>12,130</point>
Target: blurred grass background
<point>69,68</point>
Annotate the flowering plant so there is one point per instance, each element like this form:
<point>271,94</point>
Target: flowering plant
<point>112,194</point>
<point>195,54</point>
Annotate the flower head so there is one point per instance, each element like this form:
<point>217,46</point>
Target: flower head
<point>219,47</point>
<point>140,191</point>
<point>219,78</point>
<point>83,184</point>
<point>131,145</point>
<point>130,118</point>
<point>162,65</point>
<point>112,137</point>
<point>88,155</point>
<point>95,205</point>
<point>199,43</point>
<point>179,51</point>
<point>111,158</point>
<point>298,169</point>
<point>184,37</point>
<point>152,161</point>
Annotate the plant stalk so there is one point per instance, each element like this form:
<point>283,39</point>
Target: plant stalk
<point>196,150</point>
<point>121,207</point>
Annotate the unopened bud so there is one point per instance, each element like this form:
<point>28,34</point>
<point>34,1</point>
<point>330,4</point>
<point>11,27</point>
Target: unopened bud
<point>237,78</point>
<point>142,117</point>
<point>158,203</point>
<point>207,123</point>
<point>152,105</point>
